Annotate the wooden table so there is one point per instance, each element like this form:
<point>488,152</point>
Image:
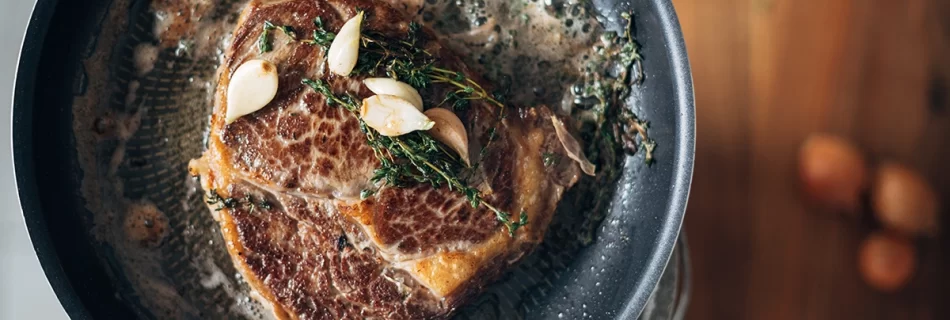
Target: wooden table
<point>768,73</point>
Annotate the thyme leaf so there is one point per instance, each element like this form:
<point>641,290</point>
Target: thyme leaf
<point>264,41</point>
<point>321,36</point>
<point>550,159</point>
<point>406,60</point>
<point>415,157</point>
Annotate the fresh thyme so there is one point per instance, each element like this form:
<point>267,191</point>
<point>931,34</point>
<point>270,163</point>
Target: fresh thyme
<point>321,36</point>
<point>401,59</point>
<point>415,158</point>
<point>418,158</point>
<point>406,60</point>
<point>252,204</point>
<point>347,101</point>
<point>264,41</point>
<point>213,198</point>
<point>610,129</point>
<point>616,127</point>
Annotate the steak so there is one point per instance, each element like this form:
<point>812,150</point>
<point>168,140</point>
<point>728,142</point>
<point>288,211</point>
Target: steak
<point>284,184</point>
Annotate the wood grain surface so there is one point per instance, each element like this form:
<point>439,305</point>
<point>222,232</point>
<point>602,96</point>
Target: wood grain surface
<point>768,73</point>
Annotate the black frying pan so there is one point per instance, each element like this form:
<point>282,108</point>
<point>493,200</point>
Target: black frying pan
<point>611,278</point>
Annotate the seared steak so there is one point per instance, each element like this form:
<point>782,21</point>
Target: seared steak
<point>284,183</point>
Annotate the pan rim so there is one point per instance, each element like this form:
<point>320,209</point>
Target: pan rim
<point>34,219</point>
<point>21,135</point>
<point>683,170</point>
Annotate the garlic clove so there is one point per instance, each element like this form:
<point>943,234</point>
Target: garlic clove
<point>395,88</point>
<point>572,147</point>
<point>393,116</point>
<point>252,86</point>
<point>345,48</point>
<point>449,130</point>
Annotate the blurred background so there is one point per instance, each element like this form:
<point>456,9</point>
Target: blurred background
<point>767,74</point>
<point>768,241</point>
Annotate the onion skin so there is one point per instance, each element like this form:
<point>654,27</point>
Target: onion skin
<point>572,147</point>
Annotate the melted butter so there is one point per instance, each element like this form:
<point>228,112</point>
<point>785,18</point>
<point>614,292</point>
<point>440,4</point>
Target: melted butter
<point>534,49</point>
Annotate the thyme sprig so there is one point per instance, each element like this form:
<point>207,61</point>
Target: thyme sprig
<point>550,159</point>
<point>415,158</point>
<point>406,60</point>
<point>466,89</point>
<point>213,198</point>
<point>347,101</point>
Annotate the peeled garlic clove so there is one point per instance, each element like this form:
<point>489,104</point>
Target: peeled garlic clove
<point>345,48</point>
<point>572,147</point>
<point>394,88</point>
<point>393,116</point>
<point>252,86</point>
<point>449,130</point>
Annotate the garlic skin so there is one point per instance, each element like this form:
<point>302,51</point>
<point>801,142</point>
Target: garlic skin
<point>345,48</point>
<point>252,86</point>
<point>572,147</point>
<point>394,88</point>
<point>393,116</point>
<point>449,130</point>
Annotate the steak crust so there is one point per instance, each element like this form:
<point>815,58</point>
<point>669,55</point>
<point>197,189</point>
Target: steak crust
<point>318,251</point>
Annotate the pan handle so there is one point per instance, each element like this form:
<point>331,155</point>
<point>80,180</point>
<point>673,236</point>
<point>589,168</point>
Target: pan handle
<point>671,297</point>
<point>685,280</point>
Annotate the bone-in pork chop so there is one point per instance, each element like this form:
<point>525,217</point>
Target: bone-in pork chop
<point>284,183</point>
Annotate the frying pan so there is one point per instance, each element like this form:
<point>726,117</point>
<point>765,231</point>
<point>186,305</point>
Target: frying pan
<point>611,277</point>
